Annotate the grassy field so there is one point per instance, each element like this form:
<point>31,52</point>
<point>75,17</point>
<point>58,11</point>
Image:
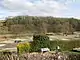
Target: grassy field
<point>65,45</point>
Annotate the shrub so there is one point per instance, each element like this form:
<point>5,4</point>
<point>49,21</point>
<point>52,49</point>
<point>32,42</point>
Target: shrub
<point>23,47</point>
<point>40,41</point>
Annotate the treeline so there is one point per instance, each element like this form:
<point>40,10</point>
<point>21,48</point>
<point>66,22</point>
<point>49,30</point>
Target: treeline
<point>39,24</point>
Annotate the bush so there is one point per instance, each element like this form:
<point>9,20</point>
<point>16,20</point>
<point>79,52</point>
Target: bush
<point>23,47</point>
<point>40,41</point>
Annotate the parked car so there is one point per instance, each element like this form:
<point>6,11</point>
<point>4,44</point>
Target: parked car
<point>17,41</point>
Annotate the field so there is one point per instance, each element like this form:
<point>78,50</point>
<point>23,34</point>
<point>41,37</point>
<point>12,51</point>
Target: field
<point>7,42</point>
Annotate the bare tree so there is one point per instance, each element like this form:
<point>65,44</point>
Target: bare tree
<point>17,29</point>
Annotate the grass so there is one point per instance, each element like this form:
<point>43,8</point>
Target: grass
<point>71,52</point>
<point>65,45</point>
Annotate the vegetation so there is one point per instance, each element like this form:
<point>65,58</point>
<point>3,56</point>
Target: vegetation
<point>23,47</point>
<point>65,45</point>
<point>34,24</point>
<point>38,56</point>
<point>40,24</point>
<point>40,41</point>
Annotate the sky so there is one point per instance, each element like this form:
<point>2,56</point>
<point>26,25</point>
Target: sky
<point>55,8</point>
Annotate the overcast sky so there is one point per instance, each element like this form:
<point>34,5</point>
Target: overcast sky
<point>56,8</point>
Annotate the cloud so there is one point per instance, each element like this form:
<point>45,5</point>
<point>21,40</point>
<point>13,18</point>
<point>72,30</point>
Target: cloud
<point>34,7</point>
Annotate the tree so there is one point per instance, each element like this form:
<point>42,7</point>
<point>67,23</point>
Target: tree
<point>44,24</point>
<point>17,29</point>
<point>40,41</point>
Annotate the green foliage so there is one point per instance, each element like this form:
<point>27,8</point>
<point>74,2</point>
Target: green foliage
<point>65,45</point>
<point>23,47</point>
<point>40,41</point>
<point>44,24</point>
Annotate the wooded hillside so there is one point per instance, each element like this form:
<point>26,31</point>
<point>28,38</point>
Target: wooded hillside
<point>39,24</point>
